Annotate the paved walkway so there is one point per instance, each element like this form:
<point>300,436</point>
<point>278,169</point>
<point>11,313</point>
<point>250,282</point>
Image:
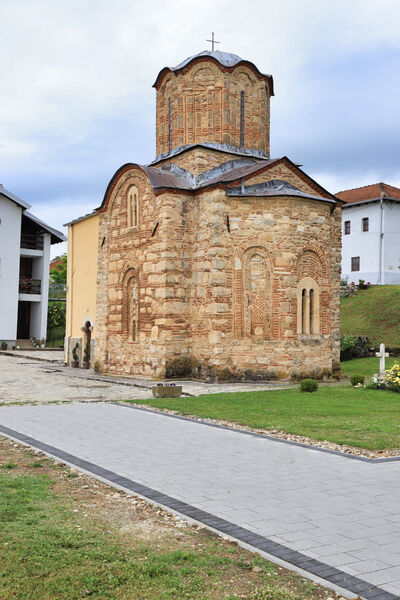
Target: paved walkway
<point>322,509</point>
<point>24,379</point>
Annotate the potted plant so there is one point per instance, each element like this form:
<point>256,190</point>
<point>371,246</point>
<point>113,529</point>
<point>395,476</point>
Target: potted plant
<point>43,343</point>
<point>85,362</point>
<point>166,390</point>
<point>4,345</point>
<point>75,361</point>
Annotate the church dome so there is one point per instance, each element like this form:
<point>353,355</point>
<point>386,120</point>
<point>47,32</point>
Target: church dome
<point>226,59</point>
<point>213,97</point>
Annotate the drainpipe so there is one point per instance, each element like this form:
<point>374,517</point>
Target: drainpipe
<point>381,203</point>
<point>69,292</point>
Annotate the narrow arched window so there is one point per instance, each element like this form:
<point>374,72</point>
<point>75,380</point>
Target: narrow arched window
<point>307,306</point>
<point>312,311</point>
<point>303,311</point>
<point>132,206</point>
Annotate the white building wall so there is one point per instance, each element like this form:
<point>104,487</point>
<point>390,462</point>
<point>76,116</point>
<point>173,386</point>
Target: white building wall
<point>362,244</point>
<point>391,243</point>
<point>10,233</point>
<point>366,244</point>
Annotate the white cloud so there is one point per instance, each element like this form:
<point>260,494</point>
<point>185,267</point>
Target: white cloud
<point>70,67</point>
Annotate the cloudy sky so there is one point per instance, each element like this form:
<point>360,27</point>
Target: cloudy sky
<point>76,100</point>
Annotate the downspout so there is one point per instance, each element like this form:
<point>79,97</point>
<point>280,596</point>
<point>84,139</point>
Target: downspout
<point>381,204</point>
<point>69,293</point>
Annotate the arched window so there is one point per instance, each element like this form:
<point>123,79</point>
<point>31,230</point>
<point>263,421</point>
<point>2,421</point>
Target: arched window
<point>307,307</point>
<point>132,206</point>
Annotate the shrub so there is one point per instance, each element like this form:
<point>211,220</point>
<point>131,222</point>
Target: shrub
<point>347,346</point>
<point>86,353</point>
<point>308,385</point>
<point>75,352</point>
<point>356,379</point>
<point>392,378</point>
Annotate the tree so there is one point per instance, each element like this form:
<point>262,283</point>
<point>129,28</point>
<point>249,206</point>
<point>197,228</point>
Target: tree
<point>59,273</point>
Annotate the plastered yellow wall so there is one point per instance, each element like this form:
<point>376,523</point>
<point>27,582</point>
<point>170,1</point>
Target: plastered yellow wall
<point>82,273</point>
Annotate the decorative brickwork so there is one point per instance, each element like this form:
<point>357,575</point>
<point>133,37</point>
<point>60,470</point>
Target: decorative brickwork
<point>215,279</point>
<point>202,103</point>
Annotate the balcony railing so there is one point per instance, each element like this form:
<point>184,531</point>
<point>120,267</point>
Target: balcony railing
<point>31,241</point>
<point>29,286</point>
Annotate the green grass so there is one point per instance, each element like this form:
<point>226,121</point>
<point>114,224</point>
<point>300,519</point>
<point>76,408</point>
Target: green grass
<point>48,551</point>
<point>373,313</point>
<point>356,417</point>
<point>365,366</point>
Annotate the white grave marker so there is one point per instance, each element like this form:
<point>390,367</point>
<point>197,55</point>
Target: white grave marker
<point>382,355</point>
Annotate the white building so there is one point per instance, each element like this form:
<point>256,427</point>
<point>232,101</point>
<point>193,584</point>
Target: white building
<point>24,270</point>
<point>371,234</point>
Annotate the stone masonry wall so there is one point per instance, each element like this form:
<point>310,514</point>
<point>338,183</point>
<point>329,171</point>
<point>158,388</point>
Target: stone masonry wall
<point>220,300</point>
<point>204,102</point>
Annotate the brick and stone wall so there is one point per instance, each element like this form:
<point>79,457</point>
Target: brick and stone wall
<point>212,301</point>
<point>202,103</point>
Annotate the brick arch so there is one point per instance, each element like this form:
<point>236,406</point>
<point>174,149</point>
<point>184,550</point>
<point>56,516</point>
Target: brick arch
<point>321,255</point>
<point>216,73</point>
<point>240,70</point>
<point>121,188</point>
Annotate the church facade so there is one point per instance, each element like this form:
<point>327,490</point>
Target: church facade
<point>216,260</point>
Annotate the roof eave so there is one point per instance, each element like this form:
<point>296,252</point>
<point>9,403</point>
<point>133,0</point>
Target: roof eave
<point>243,62</point>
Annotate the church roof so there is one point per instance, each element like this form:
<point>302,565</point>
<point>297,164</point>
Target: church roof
<point>173,177</point>
<point>369,192</point>
<point>225,59</point>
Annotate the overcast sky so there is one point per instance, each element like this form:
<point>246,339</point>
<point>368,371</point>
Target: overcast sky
<point>76,100</point>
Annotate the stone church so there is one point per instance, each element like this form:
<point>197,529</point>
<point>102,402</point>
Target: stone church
<point>215,260</point>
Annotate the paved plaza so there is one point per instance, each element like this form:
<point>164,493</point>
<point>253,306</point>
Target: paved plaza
<point>27,376</point>
<point>331,510</point>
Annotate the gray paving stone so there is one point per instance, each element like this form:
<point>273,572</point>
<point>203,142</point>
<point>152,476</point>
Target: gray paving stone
<point>292,495</point>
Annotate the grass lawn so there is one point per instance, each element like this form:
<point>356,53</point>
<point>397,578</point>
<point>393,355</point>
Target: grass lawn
<point>374,313</point>
<point>65,536</point>
<point>365,366</point>
<point>340,414</point>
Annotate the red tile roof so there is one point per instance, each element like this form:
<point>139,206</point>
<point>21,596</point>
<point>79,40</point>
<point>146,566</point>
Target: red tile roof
<point>369,192</point>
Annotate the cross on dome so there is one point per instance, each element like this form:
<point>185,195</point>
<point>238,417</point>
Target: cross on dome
<point>212,42</point>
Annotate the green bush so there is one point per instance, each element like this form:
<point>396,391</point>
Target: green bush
<point>347,346</point>
<point>75,352</point>
<point>308,385</point>
<point>86,353</point>
<point>356,379</point>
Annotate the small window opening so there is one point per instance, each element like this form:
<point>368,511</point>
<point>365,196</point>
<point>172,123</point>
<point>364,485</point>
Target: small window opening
<point>347,227</point>
<point>365,224</point>
<point>355,263</point>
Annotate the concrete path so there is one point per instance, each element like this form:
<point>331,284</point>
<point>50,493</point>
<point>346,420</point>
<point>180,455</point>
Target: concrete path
<point>334,516</point>
<point>23,378</point>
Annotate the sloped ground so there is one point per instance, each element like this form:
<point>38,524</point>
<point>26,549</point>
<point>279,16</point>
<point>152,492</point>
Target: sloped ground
<point>374,313</point>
